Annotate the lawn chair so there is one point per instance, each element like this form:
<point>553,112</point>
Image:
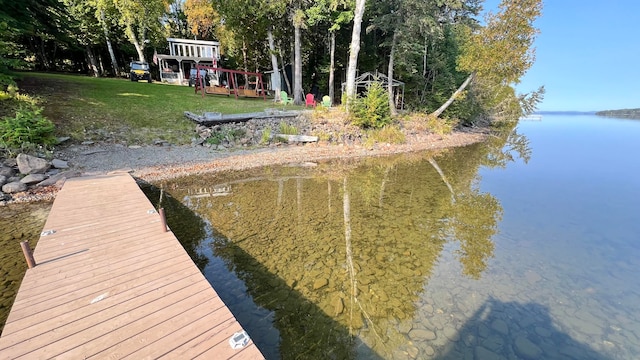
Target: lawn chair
<point>309,100</point>
<point>326,101</point>
<point>284,98</point>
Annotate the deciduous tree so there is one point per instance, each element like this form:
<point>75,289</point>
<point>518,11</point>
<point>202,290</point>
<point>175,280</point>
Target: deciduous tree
<point>354,49</point>
<point>139,18</point>
<point>201,17</point>
<point>498,55</point>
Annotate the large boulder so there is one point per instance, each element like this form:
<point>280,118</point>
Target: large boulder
<point>59,164</point>
<point>6,171</point>
<point>59,178</point>
<point>28,164</point>
<point>33,179</point>
<point>14,187</point>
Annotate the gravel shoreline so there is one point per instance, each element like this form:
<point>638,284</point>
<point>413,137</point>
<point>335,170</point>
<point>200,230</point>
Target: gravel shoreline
<point>155,163</point>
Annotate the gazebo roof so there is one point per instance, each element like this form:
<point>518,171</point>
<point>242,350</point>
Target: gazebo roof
<point>367,78</point>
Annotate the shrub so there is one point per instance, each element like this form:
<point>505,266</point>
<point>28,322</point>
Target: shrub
<point>266,136</point>
<point>440,126</point>
<point>236,134</point>
<point>389,134</point>
<point>287,129</point>
<point>29,128</point>
<point>322,135</point>
<point>372,111</point>
<point>215,138</point>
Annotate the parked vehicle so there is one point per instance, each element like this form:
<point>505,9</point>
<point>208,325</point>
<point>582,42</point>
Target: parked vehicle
<point>193,77</point>
<point>139,70</point>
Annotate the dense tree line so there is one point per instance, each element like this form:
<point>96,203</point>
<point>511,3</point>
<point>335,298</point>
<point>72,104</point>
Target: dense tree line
<point>622,113</point>
<point>439,49</point>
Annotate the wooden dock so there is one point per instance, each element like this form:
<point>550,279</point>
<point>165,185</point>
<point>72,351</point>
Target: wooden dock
<point>110,283</point>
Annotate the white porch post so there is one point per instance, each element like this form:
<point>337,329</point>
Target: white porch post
<point>180,73</point>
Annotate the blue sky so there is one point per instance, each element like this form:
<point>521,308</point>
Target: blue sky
<point>587,55</point>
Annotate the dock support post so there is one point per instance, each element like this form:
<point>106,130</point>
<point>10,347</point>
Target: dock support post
<point>163,220</point>
<point>28,255</point>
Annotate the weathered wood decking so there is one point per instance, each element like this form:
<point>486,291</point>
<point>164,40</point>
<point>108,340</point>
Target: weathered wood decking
<point>111,284</point>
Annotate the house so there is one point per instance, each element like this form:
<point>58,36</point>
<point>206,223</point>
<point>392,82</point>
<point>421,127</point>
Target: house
<point>185,54</point>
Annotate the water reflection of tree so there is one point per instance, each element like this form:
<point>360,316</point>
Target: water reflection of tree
<point>505,145</point>
<point>188,227</point>
<point>474,222</point>
<point>401,211</point>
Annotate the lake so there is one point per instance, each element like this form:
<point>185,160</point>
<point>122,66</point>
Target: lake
<point>524,248</point>
<point>521,247</point>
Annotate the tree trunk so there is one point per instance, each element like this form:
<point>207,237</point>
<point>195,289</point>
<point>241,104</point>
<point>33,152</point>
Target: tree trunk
<point>45,61</point>
<point>114,62</point>
<point>332,62</point>
<point>93,64</point>
<point>134,41</point>
<point>101,64</point>
<point>392,103</point>
<point>444,106</point>
<point>244,60</point>
<point>284,71</point>
<point>274,65</point>
<point>298,92</point>
<point>354,49</point>
<point>424,59</point>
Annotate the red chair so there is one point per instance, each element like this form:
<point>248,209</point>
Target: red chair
<point>309,100</point>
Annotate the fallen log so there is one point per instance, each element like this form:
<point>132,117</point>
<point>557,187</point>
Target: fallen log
<point>297,138</point>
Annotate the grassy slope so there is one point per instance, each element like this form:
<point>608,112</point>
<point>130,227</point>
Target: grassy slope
<point>120,110</point>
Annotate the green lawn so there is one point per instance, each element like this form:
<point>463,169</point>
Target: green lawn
<point>87,108</point>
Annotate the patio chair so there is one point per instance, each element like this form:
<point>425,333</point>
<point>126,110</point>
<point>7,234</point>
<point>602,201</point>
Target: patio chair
<point>309,100</point>
<point>284,98</point>
<point>326,101</point>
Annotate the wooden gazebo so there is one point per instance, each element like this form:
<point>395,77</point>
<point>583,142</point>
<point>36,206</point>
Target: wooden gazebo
<point>365,80</point>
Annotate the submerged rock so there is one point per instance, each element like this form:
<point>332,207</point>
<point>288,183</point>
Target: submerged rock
<point>320,283</point>
<point>526,349</point>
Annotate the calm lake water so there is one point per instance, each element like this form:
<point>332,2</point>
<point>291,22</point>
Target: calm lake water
<point>524,249</point>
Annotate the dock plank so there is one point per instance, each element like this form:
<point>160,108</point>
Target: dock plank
<point>110,283</point>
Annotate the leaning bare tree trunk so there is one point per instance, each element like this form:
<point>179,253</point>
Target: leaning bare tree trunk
<point>93,64</point>
<point>298,93</point>
<point>134,40</point>
<point>444,106</point>
<point>392,103</point>
<point>354,49</point>
<point>284,71</point>
<point>274,65</point>
<point>332,62</point>
<point>114,62</point>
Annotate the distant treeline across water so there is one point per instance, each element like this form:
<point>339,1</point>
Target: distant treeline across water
<point>624,113</point>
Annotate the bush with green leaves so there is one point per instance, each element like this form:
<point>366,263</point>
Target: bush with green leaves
<point>287,129</point>
<point>28,129</point>
<point>372,110</point>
